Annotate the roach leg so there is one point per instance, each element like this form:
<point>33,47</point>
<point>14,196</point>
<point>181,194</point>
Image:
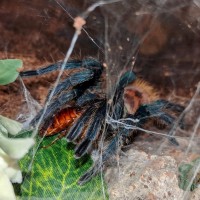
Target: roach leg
<point>63,134</point>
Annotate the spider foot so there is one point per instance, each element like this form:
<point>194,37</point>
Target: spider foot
<point>173,141</point>
<point>92,172</point>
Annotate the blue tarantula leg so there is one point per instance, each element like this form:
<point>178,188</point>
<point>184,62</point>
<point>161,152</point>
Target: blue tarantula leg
<point>118,109</point>
<point>91,62</point>
<point>50,68</point>
<point>125,79</point>
<point>73,64</point>
<point>166,118</point>
<point>118,103</point>
<point>92,131</point>
<point>155,110</point>
<point>55,105</point>
<point>110,151</point>
<point>44,70</point>
<point>169,120</point>
<point>175,108</point>
<point>86,98</point>
<point>77,128</point>
<point>171,106</point>
<point>73,80</point>
<point>143,113</point>
<point>93,171</point>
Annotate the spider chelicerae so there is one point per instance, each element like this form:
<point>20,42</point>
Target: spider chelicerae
<point>78,111</point>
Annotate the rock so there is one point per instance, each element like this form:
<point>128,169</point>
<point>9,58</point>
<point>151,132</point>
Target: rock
<point>196,194</point>
<point>140,176</point>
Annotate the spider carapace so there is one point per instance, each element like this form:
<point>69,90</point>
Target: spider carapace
<point>79,109</point>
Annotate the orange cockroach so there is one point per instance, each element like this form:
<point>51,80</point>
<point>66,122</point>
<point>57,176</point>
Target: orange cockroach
<point>59,123</point>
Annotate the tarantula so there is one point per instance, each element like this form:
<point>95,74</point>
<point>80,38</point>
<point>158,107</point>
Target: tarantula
<point>79,112</point>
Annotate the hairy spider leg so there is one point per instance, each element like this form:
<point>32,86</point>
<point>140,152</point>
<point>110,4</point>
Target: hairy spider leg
<point>72,81</point>
<point>93,70</point>
<point>86,98</point>
<point>148,111</point>
<point>77,129</point>
<point>55,106</point>
<point>176,108</point>
<point>171,106</point>
<point>60,136</point>
<point>92,131</point>
<point>96,168</point>
<point>143,114</point>
<point>155,110</point>
<point>73,64</point>
<point>118,102</point>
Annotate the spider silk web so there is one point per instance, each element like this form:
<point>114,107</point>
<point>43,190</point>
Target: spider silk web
<point>156,39</point>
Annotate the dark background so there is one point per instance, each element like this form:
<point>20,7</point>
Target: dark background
<point>39,32</point>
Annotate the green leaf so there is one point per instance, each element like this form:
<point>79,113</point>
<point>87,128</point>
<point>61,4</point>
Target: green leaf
<point>54,175</point>
<point>9,70</point>
<point>189,175</point>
